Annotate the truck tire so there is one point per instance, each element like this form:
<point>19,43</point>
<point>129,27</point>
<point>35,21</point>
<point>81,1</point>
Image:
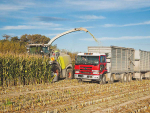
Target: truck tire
<point>103,80</point>
<point>69,74</point>
<point>124,79</point>
<point>79,80</point>
<point>56,69</point>
<point>111,79</point>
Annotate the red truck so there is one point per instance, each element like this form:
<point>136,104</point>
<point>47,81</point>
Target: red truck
<point>119,63</point>
<point>91,66</point>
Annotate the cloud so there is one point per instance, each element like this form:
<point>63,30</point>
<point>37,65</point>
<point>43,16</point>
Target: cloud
<point>86,18</point>
<point>49,35</point>
<point>107,4</point>
<point>91,17</point>
<point>124,25</point>
<point>6,7</point>
<point>119,38</point>
<point>33,25</point>
<point>47,19</point>
<point>15,5</point>
<point>44,24</point>
<point>19,27</point>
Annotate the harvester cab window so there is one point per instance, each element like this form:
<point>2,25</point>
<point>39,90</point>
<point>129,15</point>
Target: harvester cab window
<point>45,49</point>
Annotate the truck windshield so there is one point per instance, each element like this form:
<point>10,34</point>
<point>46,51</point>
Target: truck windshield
<point>87,60</point>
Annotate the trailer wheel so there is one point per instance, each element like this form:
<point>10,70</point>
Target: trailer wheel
<point>124,78</point>
<point>111,79</point>
<point>141,77</point>
<point>69,74</point>
<point>129,77</point>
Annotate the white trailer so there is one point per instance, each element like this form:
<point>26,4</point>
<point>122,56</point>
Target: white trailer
<point>142,64</point>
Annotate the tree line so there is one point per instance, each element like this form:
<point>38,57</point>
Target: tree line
<point>31,39</point>
<point>18,45</point>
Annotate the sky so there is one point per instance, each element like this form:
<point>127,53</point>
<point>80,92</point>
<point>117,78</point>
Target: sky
<point>123,23</point>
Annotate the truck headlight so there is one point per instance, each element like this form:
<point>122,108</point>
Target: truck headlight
<point>76,71</point>
<point>95,71</point>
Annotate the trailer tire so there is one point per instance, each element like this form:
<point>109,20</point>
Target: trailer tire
<point>129,77</point>
<point>141,77</point>
<point>111,79</point>
<point>69,74</point>
<point>124,79</point>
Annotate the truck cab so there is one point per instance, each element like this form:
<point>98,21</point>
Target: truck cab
<point>91,66</point>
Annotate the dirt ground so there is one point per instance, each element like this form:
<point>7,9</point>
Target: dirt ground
<point>73,97</point>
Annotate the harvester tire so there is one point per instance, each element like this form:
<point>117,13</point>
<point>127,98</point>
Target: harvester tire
<point>56,69</point>
<point>69,74</point>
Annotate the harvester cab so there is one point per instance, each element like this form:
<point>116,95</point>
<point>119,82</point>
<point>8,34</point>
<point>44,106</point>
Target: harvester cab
<point>40,49</point>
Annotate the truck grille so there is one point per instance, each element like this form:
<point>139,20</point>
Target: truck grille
<point>86,70</point>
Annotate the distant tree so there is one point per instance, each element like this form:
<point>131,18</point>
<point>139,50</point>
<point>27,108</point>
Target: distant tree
<point>6,36</point>
<point>54,47</point>
<point>30,39</point>
<point>24,38</point>
<point>44,39</point>
<point>36,39</point>
<point>14,39</point>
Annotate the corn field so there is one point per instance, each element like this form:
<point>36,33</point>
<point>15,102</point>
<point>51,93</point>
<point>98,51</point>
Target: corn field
<point>73,97</point>
<point>23,70</point>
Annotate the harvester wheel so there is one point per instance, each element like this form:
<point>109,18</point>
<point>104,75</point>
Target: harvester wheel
<point>56,69</point>
<point>69,74</point>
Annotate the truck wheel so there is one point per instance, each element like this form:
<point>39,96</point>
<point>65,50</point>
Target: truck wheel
<point>111,79</point>
<point>124,78</point>
<point>129,78</point>
<point>79,80</point>
<point>56,69</point>
<point>103,80</point>
<point>69,74</point>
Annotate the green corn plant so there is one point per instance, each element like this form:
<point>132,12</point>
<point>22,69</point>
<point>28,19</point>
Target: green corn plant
<point>23,70</point>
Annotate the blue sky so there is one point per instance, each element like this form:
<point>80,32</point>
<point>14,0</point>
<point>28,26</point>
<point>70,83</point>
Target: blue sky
<point>124,23</point>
